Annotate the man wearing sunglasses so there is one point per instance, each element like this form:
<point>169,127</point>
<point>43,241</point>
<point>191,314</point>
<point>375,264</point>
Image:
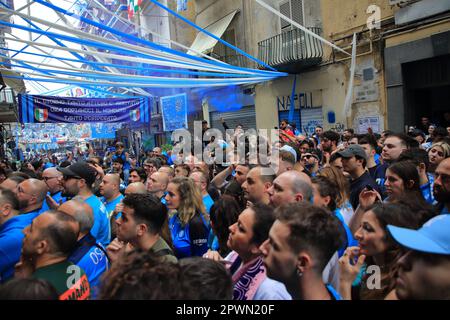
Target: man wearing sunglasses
<point>77,180</point>
<point>51,177</point>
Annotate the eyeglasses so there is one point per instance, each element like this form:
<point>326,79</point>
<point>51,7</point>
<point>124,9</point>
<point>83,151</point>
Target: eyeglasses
<point>308,157</point>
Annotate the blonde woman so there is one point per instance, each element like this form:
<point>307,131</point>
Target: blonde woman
<point>189,226</point>
<point>438,152</point>
<point>343,197</point>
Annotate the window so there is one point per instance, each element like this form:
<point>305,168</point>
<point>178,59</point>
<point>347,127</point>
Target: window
<point>293,9</point>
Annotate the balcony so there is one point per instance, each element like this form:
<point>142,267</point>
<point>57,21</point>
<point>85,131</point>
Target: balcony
<point>292,50</point>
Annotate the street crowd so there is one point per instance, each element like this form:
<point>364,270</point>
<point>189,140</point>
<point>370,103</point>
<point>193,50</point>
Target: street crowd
<point>341,216</point>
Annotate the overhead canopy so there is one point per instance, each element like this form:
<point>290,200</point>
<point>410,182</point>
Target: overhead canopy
<point>204,43</point>
<point>14,83</point>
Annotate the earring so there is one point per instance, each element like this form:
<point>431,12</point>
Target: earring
<point>299,273</point>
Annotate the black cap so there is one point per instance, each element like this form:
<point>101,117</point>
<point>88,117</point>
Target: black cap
<point>353,150</point>
<point>80,170</point>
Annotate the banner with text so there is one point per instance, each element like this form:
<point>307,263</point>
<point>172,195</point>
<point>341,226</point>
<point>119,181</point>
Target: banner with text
<point>46,109</point>
<point>174,112</point>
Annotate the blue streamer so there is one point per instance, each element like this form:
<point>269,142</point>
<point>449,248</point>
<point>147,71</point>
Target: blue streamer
<point>46,33</point>
<point>120,66</point>
<point>87,42</point>
<point>100,84</point>
<point>26,46</point>
<point>153,45</point>
<point>120,77</point>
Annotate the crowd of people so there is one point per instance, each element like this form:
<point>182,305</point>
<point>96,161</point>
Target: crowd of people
<point>341,217</point>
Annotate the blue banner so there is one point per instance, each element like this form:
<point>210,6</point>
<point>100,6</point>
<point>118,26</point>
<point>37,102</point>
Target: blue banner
<point>44,109</point>
<point>104,130</point>
<point>174,112</point>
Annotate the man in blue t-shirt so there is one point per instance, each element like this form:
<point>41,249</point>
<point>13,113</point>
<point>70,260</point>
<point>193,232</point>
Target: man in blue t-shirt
<point>11,236</point>
<point>89,254</point>
<point>77,181</point>
<point>157,185</point>
<point>52,177</point>
<point>110,190</point>
<point>201,180</point>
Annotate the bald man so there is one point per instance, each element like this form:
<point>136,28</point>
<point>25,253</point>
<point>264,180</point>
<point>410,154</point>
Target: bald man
<point>136,187</point>
<point>110,190</point>
<point>31,195</point>
<point>289,187</point>
<point>157,185</point>
<point>51,177</point>
<point>256,185</point>
<point>88,254</point>
<point>46,247</point>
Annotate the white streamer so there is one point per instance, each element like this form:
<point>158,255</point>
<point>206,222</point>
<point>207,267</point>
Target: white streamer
<point>349,97</point>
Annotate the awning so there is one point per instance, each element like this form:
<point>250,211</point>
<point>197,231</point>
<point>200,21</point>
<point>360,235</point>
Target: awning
<point>14,83</point>
<point>204,43</point>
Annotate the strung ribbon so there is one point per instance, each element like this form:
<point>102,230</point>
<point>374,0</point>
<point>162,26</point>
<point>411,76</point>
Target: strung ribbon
<point>349,97</point>
<point>148,43</point>
<point>53,79</point>
<point>121,66</point>
<point>133,78</point>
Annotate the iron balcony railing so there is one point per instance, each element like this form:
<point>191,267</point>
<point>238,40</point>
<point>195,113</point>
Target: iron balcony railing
<point>291,46</point>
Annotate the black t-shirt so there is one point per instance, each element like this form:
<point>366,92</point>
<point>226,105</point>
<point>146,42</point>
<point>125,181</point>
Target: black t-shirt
<point>357,185</point>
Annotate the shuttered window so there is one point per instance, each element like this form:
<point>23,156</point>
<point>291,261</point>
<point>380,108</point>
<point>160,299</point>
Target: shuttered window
<point>294,10</point>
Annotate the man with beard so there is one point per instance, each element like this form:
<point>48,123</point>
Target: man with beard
<point>311,161</point>
<point>77,181</point>
<point>441,190</point>
<point>258,181</point>
<point>140,227</point>
<point>329,142</point>
<point>47,244</point>
<point>31,195</point>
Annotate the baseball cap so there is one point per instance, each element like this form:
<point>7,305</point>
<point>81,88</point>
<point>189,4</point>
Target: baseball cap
<point>81,170</point>
<point>433,237</point>
<point>291,150</point>
<point>353,150</point>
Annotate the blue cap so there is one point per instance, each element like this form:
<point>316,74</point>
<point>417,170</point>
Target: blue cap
<point>433,237</point>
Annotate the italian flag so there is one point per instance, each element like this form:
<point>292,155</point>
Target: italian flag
<point>133,7</point>
<point>135,115</point>
<point>41,115</point>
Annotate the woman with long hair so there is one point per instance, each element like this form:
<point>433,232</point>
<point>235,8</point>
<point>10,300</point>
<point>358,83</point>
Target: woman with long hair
<point>223,214</point>
<point>189,226</point>
<point>343,191</point>
<point>438,152</point>
<point>376,252</point>
<point>402,177</point>
<point>245,261</point>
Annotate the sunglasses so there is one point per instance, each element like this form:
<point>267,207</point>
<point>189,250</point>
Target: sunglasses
<point>308,157</point>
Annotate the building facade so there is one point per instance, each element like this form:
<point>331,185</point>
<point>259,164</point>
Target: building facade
<point>401,66</point>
